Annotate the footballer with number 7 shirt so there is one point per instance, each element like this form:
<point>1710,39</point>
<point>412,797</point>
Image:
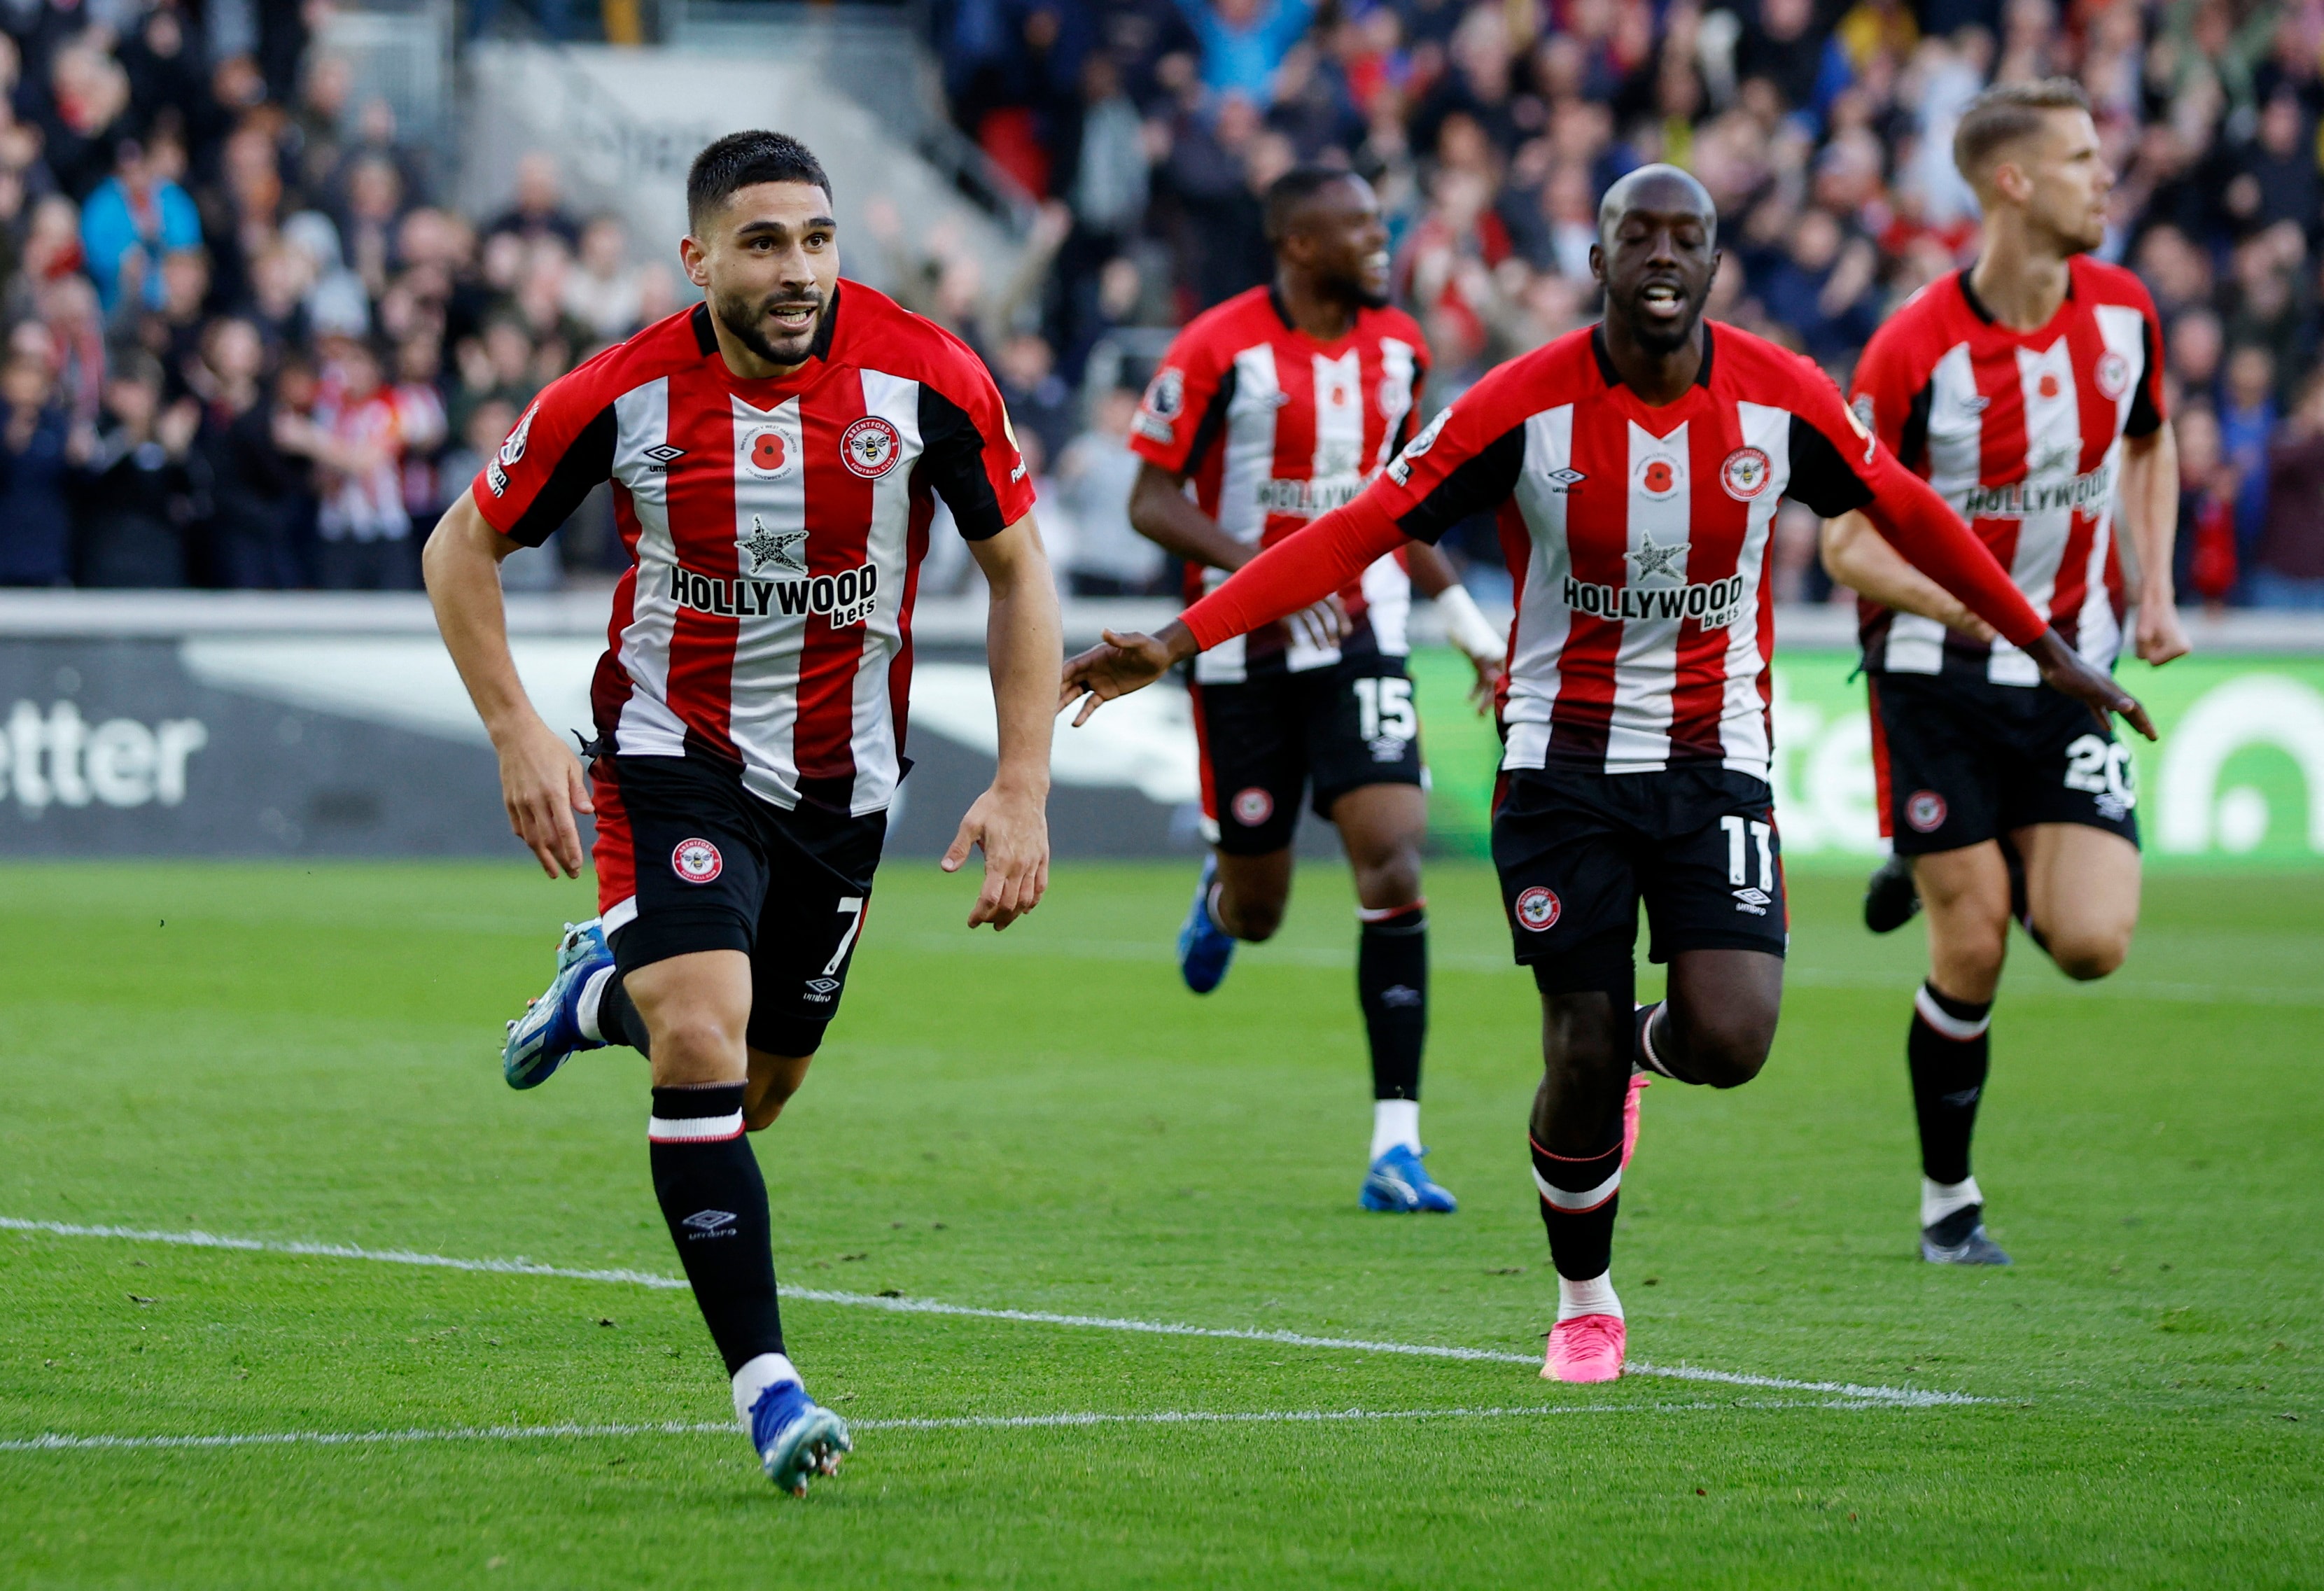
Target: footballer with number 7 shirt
<point>773,452</point>
<point>1636,468</point>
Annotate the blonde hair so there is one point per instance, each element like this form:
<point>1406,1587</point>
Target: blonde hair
<point>2005,113</point>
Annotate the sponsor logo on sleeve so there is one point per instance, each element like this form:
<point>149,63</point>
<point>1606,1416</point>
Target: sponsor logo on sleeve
<point>1862,410</point>
<point>512,450</point>
<point>869,446</point>
<point>1400,471</point>
<point>1539,909</point>
<point>496,478</point>
<point>1165,399</point>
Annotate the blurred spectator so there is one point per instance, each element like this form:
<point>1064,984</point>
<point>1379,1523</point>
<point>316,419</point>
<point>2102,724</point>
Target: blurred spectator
<point>2206,548</point>
<point>355,437</point>
<point>540,207</point>
<point>36,523</point>
<point>2247,416</point>
<point>2287,566</point>
<point>1094,478</point>
<point>134,489</point>
<point>603,291</point>
<point>131,220</point>
<point>256,486</point>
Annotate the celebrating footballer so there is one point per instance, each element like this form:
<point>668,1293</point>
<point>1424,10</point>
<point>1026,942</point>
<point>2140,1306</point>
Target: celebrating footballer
<point>1635,467</point>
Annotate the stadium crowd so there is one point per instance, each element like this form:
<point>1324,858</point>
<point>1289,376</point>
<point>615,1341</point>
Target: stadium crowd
<point>1821,127</point>
<point>248,345</point>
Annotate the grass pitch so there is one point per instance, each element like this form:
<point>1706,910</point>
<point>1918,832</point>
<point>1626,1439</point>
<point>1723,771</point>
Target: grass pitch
<point>1046,1122</point>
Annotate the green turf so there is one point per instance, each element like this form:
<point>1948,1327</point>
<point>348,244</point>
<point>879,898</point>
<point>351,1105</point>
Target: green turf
<point>1047,1121</point>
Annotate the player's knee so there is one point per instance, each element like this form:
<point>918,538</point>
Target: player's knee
<point>691,1045</point>
<point>1255,920</point>
<point>1389,877</point>
<point>1727,1050</point>
<point>2085,955</point>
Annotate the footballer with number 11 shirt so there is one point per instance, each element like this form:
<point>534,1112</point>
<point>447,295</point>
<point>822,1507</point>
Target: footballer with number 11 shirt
<point>1636,468</point>
<point>772,453</point>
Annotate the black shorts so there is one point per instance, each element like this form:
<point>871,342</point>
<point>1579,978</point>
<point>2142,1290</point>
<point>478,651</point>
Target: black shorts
<point>1267,740</point>
<point>1577,852</point>
<point>1958,762</point>
<point>688,860</point>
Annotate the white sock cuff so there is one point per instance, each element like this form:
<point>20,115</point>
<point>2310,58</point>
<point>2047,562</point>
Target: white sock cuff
<point>755,1377</point>
<point>1592,1297</point>
<point>1646,1056</point>
<point>593,999</point>
<point>1944,1022</point>
<point>1940,1200</point>
<point>1394,1122</point>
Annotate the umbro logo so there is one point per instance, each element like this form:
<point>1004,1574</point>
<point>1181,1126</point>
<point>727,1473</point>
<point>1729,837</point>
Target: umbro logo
<point>821,990</point>
<point>1564,480</point>
<point>709,1223</point>
<point>1752,900</point>
<point>662,456</point>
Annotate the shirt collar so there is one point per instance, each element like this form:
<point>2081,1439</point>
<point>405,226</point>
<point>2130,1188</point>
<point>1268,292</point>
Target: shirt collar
<point>1613,378</point>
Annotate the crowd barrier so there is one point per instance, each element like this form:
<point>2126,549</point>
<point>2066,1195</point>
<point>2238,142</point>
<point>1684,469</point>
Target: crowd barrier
<point>262,724</point>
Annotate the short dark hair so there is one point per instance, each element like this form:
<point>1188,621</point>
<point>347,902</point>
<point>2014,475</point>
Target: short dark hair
<point>1294,188</point>
<point>2005,113</point>
<point>742,159</point>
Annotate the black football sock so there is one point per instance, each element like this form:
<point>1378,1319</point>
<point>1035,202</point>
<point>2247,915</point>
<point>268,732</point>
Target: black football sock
<point>1948,1050</point>
<point>618,1021</point>
<point>1577,1200</point>
<point>1392,987</point>
<point>712,1195</point>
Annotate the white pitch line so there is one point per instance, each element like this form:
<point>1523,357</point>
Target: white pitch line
<point>52,1442</point>
<point>1900,1396</point>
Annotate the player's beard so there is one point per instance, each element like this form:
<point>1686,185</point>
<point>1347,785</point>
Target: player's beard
<point>747,321</point>
<point>1659,338</point>
<point>1352,290</point>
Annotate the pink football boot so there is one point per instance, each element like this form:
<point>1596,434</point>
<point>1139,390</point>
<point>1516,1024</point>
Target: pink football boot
<point>1588,1348</point>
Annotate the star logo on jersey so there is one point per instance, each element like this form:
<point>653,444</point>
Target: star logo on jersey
<point>2053,457</point>
<point>779,547</point>
<point>1652,559</point>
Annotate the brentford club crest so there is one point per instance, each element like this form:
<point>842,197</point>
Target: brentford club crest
<point>1539,909</point>
<point>767,454</point>
<point>1925,811</point>
<point>1253,806</point>
<point>696,861</point>
<point>869,446</point>
<point>2114,375</point>
<point>1744,473</point>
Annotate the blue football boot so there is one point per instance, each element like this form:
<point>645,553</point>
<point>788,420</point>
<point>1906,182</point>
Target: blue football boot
<point>1204,949</point>
<point>1398,1183</point>
<point>549,1031</point>
<point>797,1439</point>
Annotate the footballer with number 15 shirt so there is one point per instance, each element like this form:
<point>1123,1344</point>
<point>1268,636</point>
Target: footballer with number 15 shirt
<point>773,452</point>
<point>1635,469</point>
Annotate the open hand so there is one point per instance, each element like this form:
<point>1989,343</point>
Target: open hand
<point>1119,665</point>
<point>2065,670</point>
<point>542,786</point>
<point>1324,624</point>
<point>1014,834</point>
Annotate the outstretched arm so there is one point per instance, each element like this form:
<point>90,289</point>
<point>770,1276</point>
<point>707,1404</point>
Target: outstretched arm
<point>1024,639</point>
<point>1295,571</point>
<point>1855,556</point>
<point>541,782</point>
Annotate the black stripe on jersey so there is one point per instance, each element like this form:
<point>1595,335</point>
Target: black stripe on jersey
<point>1913,443</point>
<point>1214,422</point>
<point>2144,419</point>
<point>587,459</point>
<point>1820,478</point>
<point>1478,484</point>
<point>952,460</point>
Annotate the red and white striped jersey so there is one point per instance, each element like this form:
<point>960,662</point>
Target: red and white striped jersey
<point>2022,433</point>
<point>778,528</point>
<point>1272,428</point>
<point>1637,538</point>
